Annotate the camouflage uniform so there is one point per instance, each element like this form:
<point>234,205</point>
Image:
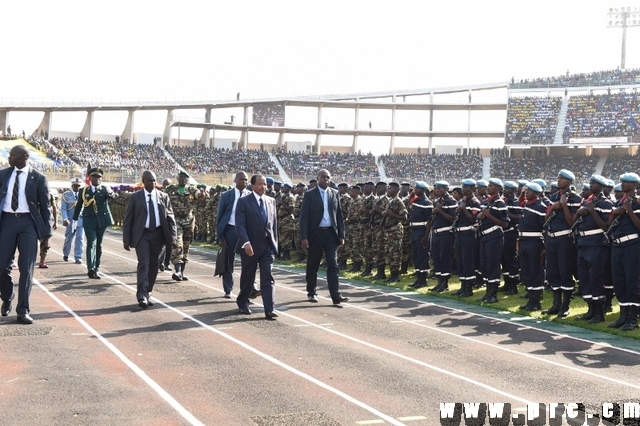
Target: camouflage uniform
<point>200,213</point>
<point>367,245</point>
<point>393,232</point>
<point>286,222</point>
<point>406,238</point>
<point>183,206</point>
<point>345,252</point>
<point>302,254</point>
<point>378,232</point>
<point>211,212</point>
<point>353,230</point>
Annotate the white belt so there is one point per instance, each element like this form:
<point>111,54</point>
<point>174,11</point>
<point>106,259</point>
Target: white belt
<point>418,223</point>
<point>559,233</point>
<point>531,234</point>
<point>464,228</point>
<point>590,232</point>
<point>437,231</point>
<point>490,230</point>
<point>510,229</point>
<point>625,238</point>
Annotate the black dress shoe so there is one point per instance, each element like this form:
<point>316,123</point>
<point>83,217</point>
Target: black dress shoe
<point>6,308</point>
<point>313,299</point>
<point>271,315</point>
<point>143,303</point>
<point>25,319</point>
<point>78,261</point>
<point>65,258</point>
<point>228,295</point>
<point>255,293</point>
<point>91,273</point>
<point>340,300</point>
<point>161,267</point>
<point>149,302</point>
<point>245,311</point>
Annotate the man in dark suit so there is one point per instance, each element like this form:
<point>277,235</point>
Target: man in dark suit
<point>322,229</point>
<point>226,226</point>
<point>148,225</point>
<point>24,219</point>
<point>257,232</point>
<point>96,217</point>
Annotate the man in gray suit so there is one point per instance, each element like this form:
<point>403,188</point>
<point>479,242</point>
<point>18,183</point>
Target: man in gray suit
<point>226,226</point>
<point>148,225</point>
<point>24,219</point>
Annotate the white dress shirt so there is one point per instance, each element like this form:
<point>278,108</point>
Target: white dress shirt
<point>23,205</point>
<point>154,200</point>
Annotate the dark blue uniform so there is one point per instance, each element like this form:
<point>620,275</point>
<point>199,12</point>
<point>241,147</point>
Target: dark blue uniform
<point>442,238</point>
<point>560,252</point>
<point>531,247</point>
<point>510,264</point>
<point>492,242</point>
<point>419,216</point>
<point>465,240</point>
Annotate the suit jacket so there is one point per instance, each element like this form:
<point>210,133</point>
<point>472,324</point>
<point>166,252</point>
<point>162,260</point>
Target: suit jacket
<point>250,227</point>
<point>94,207</point>
<point>225,205</point>
<point>312,210</point>
<point>135,218</point>
<point>37,193</point>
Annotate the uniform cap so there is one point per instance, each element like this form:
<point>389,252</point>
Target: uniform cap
<point>585,186</point>
<point>356,187</point>
<point>201,185</point>
<point>96,172</point>
<point>343,184</point>
<point>441,184</point>
<point>394,184</point>
<point>301,184</point>
<point>370,183</point>
<point>183,173</point>
<point>496,182</point>
<point>554,184</point>
<point>287,185</point>
<point>618,188</point>
<point>610,183</point>
<point>421,184</point>
<point>269,180</point>
<point>381,184</point>
<point>76,181</point>
<point>540,182</point>
<point>405,184</point>
<point>535,187</point>
<point>469,182</point>
<point>522,182</point>
<point>630,177</point>
<point>567,174</point>
<point>277,182</point>
<point>598,179</point>
<point>483,183</point>
<point>511,184</point>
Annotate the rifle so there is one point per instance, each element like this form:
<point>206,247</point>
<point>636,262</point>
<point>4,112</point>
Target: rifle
<point>548,221</point>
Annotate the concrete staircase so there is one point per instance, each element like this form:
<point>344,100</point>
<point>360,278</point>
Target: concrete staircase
<point>381,170</point>
<point>284,177</point>
<point>600,166</point>
<point>486,168</point>
<point>562,119</point>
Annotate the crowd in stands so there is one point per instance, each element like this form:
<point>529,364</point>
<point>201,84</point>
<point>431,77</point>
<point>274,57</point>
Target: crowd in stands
<point>130,158</point>
<point>61,163</point>
<point>201,160</point>
<point>618,164</point>
<point>595,78</point>
<point>532,119</point>
<point>453,168</point>
<point>602,115</point>
<point>543,167</point>
<point>343,166</point>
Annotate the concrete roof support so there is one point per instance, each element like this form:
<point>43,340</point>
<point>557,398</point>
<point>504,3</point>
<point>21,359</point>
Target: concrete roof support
<point>4,116</point>
<point>87,129</point>
<point>127,133</point>
<point>45,124</point>
<point>166,135</point>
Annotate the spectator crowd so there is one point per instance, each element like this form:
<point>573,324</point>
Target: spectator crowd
<point>532,119</point>
<point>202,160</point>
<point>595,78</point>
<point>409,167</point>
<point>343,166</point>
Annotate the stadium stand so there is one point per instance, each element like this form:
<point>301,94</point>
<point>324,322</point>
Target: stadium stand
<point>543,167</point>
<point>411,167</point>
<point>594,78</point>
<point>532,120</point>
<point>343,166</point>
<point>602,115</point>
<point>201,160</point>
<point>618,164</point>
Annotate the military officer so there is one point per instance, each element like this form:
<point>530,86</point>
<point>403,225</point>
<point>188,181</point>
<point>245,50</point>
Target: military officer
<point>464,228</point>
<point>378,231</point>
<point>96,217</point>
<point>300,190</point>
<point>345,204</point>
<point>510,264</point>
<point>393,216</point>
<point>74,232</point>
<point>366,211</point>
<point>286,223</point>
<point>353,230</point>
<point>531,245</point>
<point>444,212</point>
<point>420,214</point>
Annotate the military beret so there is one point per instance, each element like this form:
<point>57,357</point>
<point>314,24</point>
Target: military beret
<point>618,187</point>
<point>522,182</point>
<point>496,182</point>
<point>301,184</point>
<point>201,185</point>
<point>394,184</point>
<point>483,183</point>
<point>441,184</point>
<point>554,184</point>
<point>96,172</point>
<point>535,187</point>
<point>343,184</point>
<point>610,183</point>
<point>369,183</point>
<point>183,173</point>
<point>511,184</point>
<point>76,181</point>
<point>405,184</point>
<point>540,182</point>
<point>356,187</point>
<point>598,179</point>
<point>630,177</point>
<point>381,184</point>
<point>287,185</point>
<point>421,184</point>
<point>567,174</point>
<point>277,182</point>
<point>269,180</point>
<point>586,186</point>
<point>468,182</point>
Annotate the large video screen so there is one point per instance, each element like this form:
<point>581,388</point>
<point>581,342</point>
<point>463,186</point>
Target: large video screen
<point>271,115</point>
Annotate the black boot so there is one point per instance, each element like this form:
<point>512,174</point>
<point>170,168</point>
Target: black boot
<point>624,318</point>
<point>184,277</point>
<point>417,280</point>
<point>445,285</point>
<point>461,291</point>
<point>492,293</point>
<point>534,301</point>
<point>505,286</point>
<point>589,313</point>
<point>467,288</point>
<point>608,294</point>
<point>598,314</point>
<point>513,287</point>
<point>564,307</point>
<point>438,286</point>
<point>479,281</point>
<point>422,280</point>
<point>381,274</point>
<point>632,319</point>
<point>177,274</point>
<point>404,268</point>
<point>557,302</point>
<point>367,270</point>
<point>394,277</point>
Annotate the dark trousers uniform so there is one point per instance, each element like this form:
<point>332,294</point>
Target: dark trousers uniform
<point>441,243</point>
<point>560,257</point>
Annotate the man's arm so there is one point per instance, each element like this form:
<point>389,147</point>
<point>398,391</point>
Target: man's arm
<point>220,224</point>
<point>129,214</point>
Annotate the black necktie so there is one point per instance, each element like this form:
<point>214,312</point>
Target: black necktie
<point>16,187</point>
<point>152,215</point>
<point>262,211</point>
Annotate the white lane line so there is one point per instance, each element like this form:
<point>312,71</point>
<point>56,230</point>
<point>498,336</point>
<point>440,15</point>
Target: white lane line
<point>261,354</point>
<point>139,372</point>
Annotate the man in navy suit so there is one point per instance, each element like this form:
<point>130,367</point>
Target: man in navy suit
<point>226,226</point>
<point>322,230</point>
<point>24,219</point>
<point>257,232</point>
<point>148,225</point>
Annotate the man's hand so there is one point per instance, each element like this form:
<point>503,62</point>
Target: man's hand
<point>126,246</point>
<point>304,244</point>
<point>248,250</point>
<point>223,243</point>
<point>341,244</point>
<point>65,222</point>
